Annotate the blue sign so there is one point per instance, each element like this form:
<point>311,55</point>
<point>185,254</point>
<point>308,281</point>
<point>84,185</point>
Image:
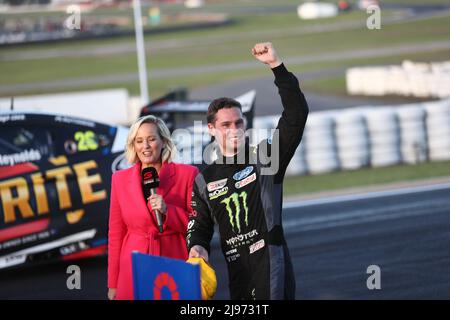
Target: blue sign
<point>160,278</point>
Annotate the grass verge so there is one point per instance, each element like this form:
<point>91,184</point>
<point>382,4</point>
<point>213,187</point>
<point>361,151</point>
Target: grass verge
<point>364,177</point>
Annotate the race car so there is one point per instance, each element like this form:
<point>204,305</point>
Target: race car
<point>55,174</point>
<point>55,177</point>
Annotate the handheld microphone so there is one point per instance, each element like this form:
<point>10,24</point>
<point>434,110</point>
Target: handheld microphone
<point>150,180</point>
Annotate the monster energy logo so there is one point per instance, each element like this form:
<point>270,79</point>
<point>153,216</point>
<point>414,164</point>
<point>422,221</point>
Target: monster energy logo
<point>235,218</point>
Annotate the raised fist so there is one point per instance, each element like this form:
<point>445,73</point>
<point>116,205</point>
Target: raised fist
<point>266,53</point>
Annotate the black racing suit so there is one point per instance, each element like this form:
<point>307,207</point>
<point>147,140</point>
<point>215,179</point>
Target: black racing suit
<point>246,203</point>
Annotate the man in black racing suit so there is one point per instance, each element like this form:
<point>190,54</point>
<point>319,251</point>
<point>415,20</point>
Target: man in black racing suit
<point>242,192</point>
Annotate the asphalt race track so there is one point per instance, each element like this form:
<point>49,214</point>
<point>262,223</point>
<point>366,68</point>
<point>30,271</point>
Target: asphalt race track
<point>406,233</point>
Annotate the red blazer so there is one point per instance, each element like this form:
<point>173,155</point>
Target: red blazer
<point>132,223</point>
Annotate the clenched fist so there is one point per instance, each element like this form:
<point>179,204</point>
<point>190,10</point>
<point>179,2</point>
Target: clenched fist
<point>266,53</point>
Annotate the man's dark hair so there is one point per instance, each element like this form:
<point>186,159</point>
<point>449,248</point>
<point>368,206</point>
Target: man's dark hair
<point>220,103</point>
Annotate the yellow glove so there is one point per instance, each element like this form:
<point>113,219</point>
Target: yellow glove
<point>208,280</point>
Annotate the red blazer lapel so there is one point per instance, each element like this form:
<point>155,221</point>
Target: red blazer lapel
<point>166,178</point>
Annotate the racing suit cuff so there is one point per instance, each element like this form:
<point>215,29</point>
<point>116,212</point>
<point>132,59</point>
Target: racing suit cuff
<point>280,71</point>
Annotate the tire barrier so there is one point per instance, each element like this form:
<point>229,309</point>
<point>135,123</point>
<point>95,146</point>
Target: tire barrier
<point>413,133</point>
<point>298,165</point>
<point>320,143</point>
<point>350,138</point>
<point>384,136</point>
<point>316,10</point>
<point>410,79</point>
<point>438,130</point>
<point>365,136</point>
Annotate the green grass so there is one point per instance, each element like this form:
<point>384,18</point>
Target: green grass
<point>241,24</point>
<point>201,52</point>
<point>364,177</point>
<point>242,27</point>
<point>64,68</point>
<point>160,86</point>
<point>227,44</point>
<point>332,85</point>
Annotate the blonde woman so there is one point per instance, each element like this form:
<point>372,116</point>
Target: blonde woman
<point>132,221</point>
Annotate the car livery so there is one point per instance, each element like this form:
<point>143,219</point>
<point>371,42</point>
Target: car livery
<point>55,176</point>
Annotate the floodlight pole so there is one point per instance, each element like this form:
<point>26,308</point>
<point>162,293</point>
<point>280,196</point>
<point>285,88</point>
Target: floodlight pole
<point>145,99</point>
